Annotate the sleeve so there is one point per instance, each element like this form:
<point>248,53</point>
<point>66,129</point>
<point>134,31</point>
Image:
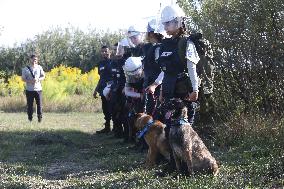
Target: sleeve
<point>24,76</point>
<point>98,85</point>
<point>160,78</point>
<point>130,93</point>
<point>191,53</point>
<point>192,75</point>
<point>42,74</point>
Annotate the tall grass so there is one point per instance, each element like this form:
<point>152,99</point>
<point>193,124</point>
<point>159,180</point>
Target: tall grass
<point>74,103</point>
<point>65,89</point>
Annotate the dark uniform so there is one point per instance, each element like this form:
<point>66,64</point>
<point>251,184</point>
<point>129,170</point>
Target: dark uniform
<point>117,99</point>
<point>151,72</point>
<point>133,106</point>
<point>104,70</point>
<point>176,82</point>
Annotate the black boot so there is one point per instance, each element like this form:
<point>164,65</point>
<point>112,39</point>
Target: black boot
<point>39,118</point>
<point>106,129</point>
<point>118,133</point>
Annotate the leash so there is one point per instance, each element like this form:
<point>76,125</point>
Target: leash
<point>156,104</point>
<point>146,100</point>
<point>145,103</point>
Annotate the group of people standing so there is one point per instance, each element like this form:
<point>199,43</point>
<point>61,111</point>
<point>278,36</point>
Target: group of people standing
<point>141,75</point>
<point>138,74</point>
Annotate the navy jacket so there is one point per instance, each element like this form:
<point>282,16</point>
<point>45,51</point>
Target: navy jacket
<point>104,69</point>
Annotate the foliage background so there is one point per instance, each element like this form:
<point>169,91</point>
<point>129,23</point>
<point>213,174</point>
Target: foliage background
<point>247,39</point>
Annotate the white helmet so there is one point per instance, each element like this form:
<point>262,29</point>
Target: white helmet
<point>171,12</point>
<point>132,65</point>
<point>133,69</point>
<point>154,25</point>
<point>132,31</point>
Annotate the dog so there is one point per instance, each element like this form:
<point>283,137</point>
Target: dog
<point>187,147</point>
<point>154,135</point>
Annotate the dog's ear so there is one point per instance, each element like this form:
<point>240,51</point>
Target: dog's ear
<point>137,120</point>
<point>138,115</point>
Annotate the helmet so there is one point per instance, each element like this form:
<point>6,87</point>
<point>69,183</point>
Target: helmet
<point>121,45</point>
<point>133,69</point>
<point>132,31</point>
<point>155,26</point>
<point>172,12</point>
<point>149,28</point>
<point>132,64</point>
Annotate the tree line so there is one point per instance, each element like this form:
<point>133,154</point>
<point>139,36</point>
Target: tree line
<point>248,41</point>
<point>70,47</point>
<point>247,38</point>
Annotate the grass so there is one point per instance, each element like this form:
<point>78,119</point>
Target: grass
<point>78,103</point>
<point>64,152</point>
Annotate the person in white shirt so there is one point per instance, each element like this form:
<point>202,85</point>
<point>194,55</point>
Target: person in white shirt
<point>32,75</point>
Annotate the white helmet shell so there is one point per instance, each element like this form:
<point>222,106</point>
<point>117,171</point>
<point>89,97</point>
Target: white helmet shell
<point>132,64</point>
<point>155,25</point>
<point>132,31</point>
<point>171,12</point>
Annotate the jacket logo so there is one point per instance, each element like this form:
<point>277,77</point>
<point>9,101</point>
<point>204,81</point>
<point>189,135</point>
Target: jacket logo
<point>166,53</point>
<point>102,68</point>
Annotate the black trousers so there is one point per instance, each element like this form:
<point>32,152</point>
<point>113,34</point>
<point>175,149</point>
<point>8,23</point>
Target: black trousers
<point>106,109</point>
<point>117,103</point>
<point>31,96</point>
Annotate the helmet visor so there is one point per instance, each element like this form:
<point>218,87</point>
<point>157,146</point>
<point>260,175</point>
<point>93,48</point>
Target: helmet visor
<point>134,76</point>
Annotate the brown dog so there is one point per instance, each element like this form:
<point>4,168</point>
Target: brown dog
<point>154,135</point>
<point>185,143</point>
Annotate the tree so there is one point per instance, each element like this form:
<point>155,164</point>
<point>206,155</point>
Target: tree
<point>248,39</point>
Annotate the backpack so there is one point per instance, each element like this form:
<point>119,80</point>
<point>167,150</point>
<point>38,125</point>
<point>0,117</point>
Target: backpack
<point>206,66</point>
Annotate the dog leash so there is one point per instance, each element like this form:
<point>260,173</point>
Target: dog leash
<point>145,102</point>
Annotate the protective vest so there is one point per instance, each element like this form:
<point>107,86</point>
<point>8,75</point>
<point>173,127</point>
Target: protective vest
<point>151,66</point>
<point>133,51</point>
<point>176,82</point>
<point>117,75</point>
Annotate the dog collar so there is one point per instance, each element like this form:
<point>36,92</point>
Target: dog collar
<point>179,122</point>
<point>145,129</point>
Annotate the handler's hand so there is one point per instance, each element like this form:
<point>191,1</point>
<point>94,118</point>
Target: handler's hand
<point>151,88</point>
<point>193,96</point>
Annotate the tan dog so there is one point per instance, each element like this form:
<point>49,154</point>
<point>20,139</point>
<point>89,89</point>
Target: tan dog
<point>185,143</point>
<point>154,135</point>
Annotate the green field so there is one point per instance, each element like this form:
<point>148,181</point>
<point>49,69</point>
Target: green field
<point>64,152</point>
